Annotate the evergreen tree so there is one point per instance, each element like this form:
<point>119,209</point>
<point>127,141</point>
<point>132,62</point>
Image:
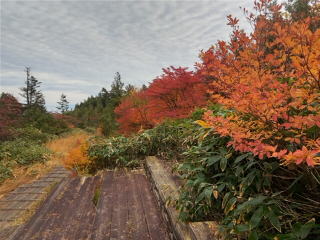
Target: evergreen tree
<point>63,104</point>
<point>117,85</point>
<point>31,92</point>
<point>36,96</point>
<point>129,88</point>
<point>26,90</point>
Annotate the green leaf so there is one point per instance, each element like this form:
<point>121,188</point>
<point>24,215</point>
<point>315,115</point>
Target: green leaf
<point>230,205</point>
<point>240,158</point>
<point>274,220</point>
<point>252,202</point>
<point>213,159</point>
<point>221,187</point>
<point>225,199</point>
<point>239,171</point>
<point>223,163</point>
<point>302,231</point>
<point>253,236</point>
<point>256,217</point>
<point>242,228</point>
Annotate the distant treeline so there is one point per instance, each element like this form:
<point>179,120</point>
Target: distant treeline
<point>98,111</point>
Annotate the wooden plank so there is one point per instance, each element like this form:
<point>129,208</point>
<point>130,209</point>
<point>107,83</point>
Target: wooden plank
<point>42,217</point>
<point>102,223</point>
<point>15,205</point>
<point>63,219</point>
<point>119,211</point>
<point>137,227</point>
<point>152,214</point>
<point>86,213</point>
<point>124,211</point>
<point>9,215</point>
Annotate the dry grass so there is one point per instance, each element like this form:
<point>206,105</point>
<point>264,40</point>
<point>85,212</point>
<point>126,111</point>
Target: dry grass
<point>75,157</point>
<point>62,149</point>
<point>63,146</point>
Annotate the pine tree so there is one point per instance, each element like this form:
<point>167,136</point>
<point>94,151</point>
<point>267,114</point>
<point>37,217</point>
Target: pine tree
<point>31,92</point>
<point>63,104</point>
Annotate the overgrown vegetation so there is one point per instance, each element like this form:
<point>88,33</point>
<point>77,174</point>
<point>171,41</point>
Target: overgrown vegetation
<point>24,128</point>
<point>25,148</point>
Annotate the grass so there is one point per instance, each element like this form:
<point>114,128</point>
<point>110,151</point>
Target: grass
<point>60,148</point>
<point>96,196</point>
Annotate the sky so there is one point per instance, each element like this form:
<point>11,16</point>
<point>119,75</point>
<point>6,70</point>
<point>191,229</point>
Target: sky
<point>76,47</point>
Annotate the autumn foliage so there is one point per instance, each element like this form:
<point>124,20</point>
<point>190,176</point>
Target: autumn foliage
<point>10,114</point>
<point>270,80</point>
<point>174,94</point>
<point>133,112</point>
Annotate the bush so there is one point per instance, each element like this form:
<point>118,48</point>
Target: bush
<point>24,152</point>
<point>5,171</point>
<point>44,121</point>
<point>168,140</point>
<point>250,198</point>
<point>32,134</point>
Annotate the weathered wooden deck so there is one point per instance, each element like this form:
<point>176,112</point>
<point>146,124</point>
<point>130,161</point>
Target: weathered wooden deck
<point>20,203</point>
<point>126,209</point>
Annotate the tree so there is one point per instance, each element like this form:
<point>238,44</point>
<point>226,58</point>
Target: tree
<point>129,88</point>
<point>301,9</point>
<point>175,94</point>
<point>10,114</point>
<point>132,113</point>
<point>117,90</point>
<point>63,104</point>
<point>31,92</point>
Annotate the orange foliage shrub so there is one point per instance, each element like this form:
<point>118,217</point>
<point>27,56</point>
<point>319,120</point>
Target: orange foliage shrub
<point>270,80</point>
<point>77,157</point>
<point>70,150</point>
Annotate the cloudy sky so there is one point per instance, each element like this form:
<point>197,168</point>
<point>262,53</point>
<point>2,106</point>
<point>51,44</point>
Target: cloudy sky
<point>75,47</point>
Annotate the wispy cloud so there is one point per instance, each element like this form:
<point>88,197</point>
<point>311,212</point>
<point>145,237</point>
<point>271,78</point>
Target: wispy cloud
<point>79,45</point>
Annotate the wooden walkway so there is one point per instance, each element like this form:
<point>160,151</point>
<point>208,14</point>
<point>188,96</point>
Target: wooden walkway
<point>108,207</point>
<point>17,205</point>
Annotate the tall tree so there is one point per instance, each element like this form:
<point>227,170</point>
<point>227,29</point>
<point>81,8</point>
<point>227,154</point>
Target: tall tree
<point>26,90</point>
<point>117,85</point>
<point>63,104</point>
<point>31,91</point>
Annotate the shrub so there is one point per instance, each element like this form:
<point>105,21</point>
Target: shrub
<point>250,198</point>
<point>23,151</point>
<point>10,115</point>
<point>167,140</point>
<point>30,133</point>
<point>44,121</point>
<point>270,81</point>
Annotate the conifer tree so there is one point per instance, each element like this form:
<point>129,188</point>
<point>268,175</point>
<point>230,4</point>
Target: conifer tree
<point>63,104</point>
<point>31,91</point>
